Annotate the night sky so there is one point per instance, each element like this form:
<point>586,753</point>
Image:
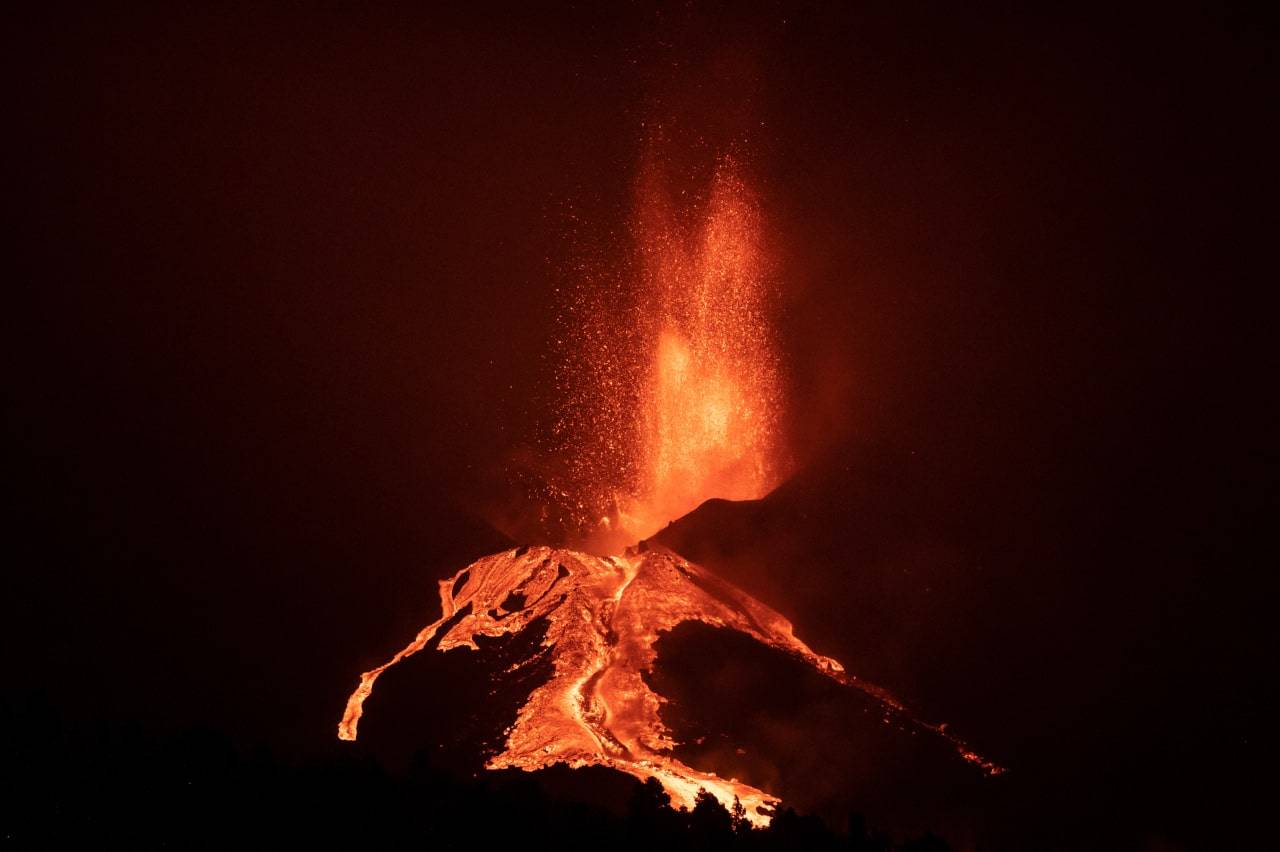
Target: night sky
<point>282,301</point>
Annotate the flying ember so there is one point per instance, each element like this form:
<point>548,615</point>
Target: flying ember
<point>670,388</point>
<point>672,396</point>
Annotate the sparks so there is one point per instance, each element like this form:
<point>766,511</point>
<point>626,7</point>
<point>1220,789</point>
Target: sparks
<point>670,379</point>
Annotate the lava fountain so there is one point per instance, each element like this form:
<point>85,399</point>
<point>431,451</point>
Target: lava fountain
<point>672,397</point>
<point>710,396</point>
<point>670,389</point>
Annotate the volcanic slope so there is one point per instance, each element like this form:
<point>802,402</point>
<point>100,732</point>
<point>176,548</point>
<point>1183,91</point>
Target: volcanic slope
<point>602,616</point>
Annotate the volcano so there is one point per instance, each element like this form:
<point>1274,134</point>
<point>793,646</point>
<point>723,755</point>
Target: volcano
<point>671,395</point>
<point>599,618</point>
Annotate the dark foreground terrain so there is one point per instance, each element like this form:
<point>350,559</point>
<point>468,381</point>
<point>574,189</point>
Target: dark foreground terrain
<point>195,789</point>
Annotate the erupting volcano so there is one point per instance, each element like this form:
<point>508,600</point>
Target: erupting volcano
<point>672,397</point>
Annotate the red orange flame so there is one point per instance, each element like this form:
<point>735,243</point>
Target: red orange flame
<point>671,376</point>
<point>708,409</point>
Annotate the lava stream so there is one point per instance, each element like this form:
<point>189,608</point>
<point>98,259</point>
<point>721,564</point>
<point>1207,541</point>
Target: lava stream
<point>604,615</point>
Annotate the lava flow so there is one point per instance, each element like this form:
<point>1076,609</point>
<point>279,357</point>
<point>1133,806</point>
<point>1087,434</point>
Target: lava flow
<point>603,616</point>
<point>671,397</point>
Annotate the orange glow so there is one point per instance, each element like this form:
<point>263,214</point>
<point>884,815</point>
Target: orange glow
<point>670,395</point>
<point>709,402</point>
<point>604,614</point>
<point>671,378</point>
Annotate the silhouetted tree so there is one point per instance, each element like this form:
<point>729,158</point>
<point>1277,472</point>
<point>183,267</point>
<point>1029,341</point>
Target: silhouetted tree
<point>710,825</point>
<point>930,842</point>
<point>789,831</point>
<point>741,825</point>
<point>649,813</point>
<point>862,839</point>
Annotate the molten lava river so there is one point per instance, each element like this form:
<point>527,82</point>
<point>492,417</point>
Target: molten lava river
<point>604,615</point>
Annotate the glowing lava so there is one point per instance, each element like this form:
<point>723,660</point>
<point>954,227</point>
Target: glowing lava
<point>670,382</point>
<point>603,616</point>
<point>670,396</point>
<point>708,427</point>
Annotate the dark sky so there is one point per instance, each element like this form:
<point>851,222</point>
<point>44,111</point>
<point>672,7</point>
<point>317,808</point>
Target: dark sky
<point>285,283</point>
